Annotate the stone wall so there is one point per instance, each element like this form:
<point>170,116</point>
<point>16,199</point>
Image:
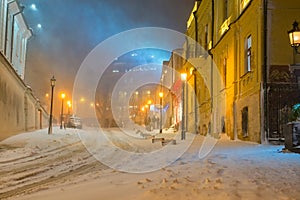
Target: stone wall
<point>20,110</point>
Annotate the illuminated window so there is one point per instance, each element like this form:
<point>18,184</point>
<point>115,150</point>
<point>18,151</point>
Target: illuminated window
<point>248,53</point>
<point>224,71</point>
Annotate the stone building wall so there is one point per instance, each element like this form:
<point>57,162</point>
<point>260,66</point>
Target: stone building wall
<point>20,110</point>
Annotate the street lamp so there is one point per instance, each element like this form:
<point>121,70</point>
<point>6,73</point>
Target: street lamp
<point>52,83</point>
<point>161,94</point>
<point>294,36</point>
<point>62,109</point>
<point>183,79</point>
<point>69,106</point>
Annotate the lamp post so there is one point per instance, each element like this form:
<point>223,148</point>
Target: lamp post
<point>62,109</point>
<point>194,72</point>
<point>52,83</point>
<point>69,107</point>
<point>294,36</point>
<point>147,118</point>
<point>183,79</point>
<point>161,94</point>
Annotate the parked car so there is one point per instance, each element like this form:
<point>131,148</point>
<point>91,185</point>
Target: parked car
<point>74,122</point>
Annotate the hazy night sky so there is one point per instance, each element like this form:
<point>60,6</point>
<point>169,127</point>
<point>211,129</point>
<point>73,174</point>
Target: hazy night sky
<point>72,28</point>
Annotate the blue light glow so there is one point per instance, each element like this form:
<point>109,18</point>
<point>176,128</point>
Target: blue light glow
<point>33,7</point>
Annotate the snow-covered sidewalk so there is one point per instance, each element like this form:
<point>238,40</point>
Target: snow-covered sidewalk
<point>232,170</point>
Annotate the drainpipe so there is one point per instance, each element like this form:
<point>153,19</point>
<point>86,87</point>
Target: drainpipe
<point>196,102</point>
<point>265,131</point>
<point>195,75</point>
<point>212,64</point>
<point>196,32</point>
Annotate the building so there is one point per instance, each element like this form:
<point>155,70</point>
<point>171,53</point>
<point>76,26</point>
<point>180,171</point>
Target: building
<point>20,109</point>
<point>125,88</point>
<point>14,34</point>
<point>240,67</point>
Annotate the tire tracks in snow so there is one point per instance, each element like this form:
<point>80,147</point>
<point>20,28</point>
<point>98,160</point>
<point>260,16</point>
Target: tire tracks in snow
<point>30,173</point>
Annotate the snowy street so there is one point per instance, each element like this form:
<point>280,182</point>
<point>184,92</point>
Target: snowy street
<point>40,166</point>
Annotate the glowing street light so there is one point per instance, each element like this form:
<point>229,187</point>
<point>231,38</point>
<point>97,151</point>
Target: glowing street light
<point>183,76</point>
<point>63,95</point>
<point>33,7</point>
<point>294,36</point>
<point>39,26</point>
<point>52,83</point>
<point>69,106</point>
<point>82,99</point>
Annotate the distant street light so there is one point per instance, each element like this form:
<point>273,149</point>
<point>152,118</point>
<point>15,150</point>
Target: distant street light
<point>183,79</point>
<point>161,94</point>
<point>52,83</point>
<point>33,7</point>
<point>69,106</point>
<point>62,109</point>
<point>294,36</point>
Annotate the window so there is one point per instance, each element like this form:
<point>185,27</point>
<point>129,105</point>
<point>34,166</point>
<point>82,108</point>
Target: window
<point>224,71</point>
<point>245,122</point>
<point>298,81</point>
<point>206,37</point>
<point>248,54</point>
<point>225,10</point>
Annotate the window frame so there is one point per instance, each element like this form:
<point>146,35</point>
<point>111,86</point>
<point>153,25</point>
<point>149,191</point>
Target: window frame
<point>248,53</point>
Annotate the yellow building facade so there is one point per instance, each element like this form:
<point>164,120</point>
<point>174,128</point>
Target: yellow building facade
<point>242,58</point>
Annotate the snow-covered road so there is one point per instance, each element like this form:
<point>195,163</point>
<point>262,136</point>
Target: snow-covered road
<point>31,161</point>
<point>38,166</point>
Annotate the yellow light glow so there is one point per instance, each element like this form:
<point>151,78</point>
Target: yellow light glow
<point>47,95</point>
<point>191,18</point>
<point>82,99</point>
<point>161,94</point>
<point>149,102</point>
<point>63,95</point>
<point>183,76</point>
<point>69,104</point>
<point>244,3</point>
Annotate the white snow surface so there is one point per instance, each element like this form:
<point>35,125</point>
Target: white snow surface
<point>36,166</point>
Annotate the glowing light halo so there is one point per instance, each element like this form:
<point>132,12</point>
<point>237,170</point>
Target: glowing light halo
<point>87,79</point>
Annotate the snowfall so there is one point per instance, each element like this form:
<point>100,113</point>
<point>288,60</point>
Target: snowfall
<point>108,164</point>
